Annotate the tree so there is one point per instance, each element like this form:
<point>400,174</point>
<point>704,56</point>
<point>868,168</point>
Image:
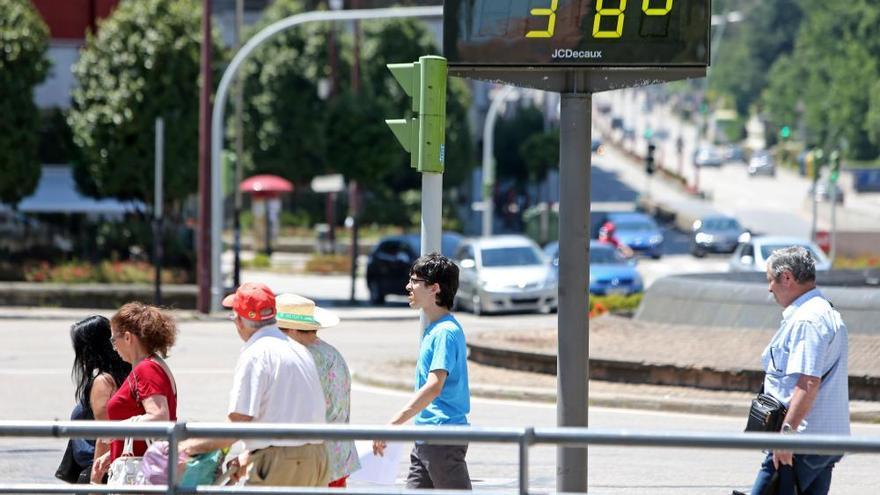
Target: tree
<point>24,40</point>
<point>831,72</point>
<point>284,117</point>
<point>540,153</point>
<point>749,48</point>
<point>510,133</point>
<point>142,64</point>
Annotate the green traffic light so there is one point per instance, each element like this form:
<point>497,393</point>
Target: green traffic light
<point>785,132</point>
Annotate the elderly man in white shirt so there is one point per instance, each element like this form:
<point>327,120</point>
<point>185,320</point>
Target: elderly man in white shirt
<point>275,381</point>
<point>806,369</point>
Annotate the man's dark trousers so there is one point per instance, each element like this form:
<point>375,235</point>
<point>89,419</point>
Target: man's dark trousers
<point>438,466</point>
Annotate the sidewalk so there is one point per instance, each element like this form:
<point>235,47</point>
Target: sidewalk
<point>698,351</point>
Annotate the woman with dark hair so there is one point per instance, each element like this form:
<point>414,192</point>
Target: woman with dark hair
<point>97,372</point>
<point>142,335</point>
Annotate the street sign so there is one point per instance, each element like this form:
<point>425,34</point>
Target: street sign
<point>328,183</point>
<point>577,33</point>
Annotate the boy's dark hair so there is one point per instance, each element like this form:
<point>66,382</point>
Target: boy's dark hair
<point>438,269</point>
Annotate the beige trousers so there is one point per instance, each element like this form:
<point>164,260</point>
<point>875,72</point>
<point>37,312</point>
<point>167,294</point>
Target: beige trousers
<point>305,465</point>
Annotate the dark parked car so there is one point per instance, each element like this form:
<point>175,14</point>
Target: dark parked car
<point>715,234</point>
<point>389,263</point>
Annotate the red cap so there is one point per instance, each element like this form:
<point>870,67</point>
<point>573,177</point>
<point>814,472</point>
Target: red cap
<point>252,301</point>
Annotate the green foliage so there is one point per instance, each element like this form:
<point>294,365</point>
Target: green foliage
<point>510,133</point>
<point>540,152</point>
<point>259,261</point>
<point>616,303</point>
<point>328,263</point>
<point>283,115</point>
<point>833,72</point>
<point>24,40</point>
<point>142,64</point>
<point>749,48</point>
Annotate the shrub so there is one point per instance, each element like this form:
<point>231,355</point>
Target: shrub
<point>260,260</point>
<point>615,304</point>
<point>328,263</point>
<point>113,272</point>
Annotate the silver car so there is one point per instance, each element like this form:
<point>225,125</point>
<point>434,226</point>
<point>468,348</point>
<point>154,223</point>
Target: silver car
<point>751,255</point>
<point>762,163</point>
<point>504,273</point>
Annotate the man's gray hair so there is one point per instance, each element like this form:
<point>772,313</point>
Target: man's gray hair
<point>797,260</point>
<point>256,325</point>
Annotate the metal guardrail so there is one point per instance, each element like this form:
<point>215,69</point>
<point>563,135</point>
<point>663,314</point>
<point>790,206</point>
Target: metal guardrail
<point>523,437</point>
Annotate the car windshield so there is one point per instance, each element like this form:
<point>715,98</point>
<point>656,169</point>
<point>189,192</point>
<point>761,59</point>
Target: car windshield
<point>767,250</point>
<point>605,256</point>
<point>721,224</point>
<point>510,256</point>
<point>634,226</point>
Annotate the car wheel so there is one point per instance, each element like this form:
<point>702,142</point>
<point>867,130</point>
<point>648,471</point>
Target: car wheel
<point>656,256</point>
<point>476,306</point>
<point>697,252</point>
<point>376,296</point>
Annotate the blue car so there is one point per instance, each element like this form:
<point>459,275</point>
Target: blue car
<point>610,272</point>
<point>638,231</point>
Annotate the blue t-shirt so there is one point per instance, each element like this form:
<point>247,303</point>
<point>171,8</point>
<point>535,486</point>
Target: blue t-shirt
<point>443,348</point>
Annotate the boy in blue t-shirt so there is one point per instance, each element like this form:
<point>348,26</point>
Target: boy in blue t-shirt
<point>442,394</point>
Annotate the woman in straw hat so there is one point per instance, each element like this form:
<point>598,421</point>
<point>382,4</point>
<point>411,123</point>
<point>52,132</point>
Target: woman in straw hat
<point>301,319</point>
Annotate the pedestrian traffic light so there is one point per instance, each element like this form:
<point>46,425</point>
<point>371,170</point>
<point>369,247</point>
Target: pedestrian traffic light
<point>835,166</point>
<point>424,134</point>
<point>785,132</point>
<point>649,159</point>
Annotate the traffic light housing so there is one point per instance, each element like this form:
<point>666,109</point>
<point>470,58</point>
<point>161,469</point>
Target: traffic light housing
<point>424,134</point>
<point>650,167</point>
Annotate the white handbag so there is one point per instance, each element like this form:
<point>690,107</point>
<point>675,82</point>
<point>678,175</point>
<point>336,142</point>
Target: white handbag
<point>126,469</point>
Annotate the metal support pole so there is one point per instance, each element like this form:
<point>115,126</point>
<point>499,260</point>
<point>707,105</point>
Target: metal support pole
<point>573,326</point>
<point>489,158</point>
<point>432,219</point>
<point>174,438</point>
<point>158,200</point>
<point>524,443</point>
<point>832,254</point>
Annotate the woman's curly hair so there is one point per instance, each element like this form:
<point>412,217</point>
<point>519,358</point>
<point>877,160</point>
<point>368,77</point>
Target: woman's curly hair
<point>155,328</point>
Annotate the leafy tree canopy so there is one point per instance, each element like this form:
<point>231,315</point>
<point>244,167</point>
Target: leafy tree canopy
<point>24,41</point>
<point>142,64</point>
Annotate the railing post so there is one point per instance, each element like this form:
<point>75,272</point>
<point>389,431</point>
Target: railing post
<point>174,435</point>
<point>524,442</point>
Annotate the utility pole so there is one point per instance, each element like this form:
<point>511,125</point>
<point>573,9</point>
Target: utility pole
<point>239,154</point>
<point>203,268</point>
<point>353,191</point>
<point>489,158</point>
<point>158,199</point>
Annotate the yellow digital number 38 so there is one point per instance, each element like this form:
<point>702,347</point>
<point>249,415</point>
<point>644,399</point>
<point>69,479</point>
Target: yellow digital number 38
<point>551,21</point>
<point>602,11</point>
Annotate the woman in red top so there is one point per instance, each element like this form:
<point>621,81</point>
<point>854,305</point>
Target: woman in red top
<point>141,335</point>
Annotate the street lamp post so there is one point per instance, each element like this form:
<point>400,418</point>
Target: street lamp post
<point>489,158</point>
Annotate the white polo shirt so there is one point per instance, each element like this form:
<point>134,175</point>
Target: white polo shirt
<point>812,340</point>
<point>276,381</point>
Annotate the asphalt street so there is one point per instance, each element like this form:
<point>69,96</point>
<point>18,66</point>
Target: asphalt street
<point>35,385</point>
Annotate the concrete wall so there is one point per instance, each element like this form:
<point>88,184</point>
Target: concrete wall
<point>743,302</point>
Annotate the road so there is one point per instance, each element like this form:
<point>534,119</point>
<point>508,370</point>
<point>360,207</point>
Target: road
<point>34,383</point>
<point>772,205</point>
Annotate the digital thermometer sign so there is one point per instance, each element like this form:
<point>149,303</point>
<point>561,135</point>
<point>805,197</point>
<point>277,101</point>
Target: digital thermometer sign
<point>577,33</point>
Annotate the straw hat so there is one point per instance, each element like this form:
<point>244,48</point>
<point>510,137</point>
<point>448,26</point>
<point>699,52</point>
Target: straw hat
<point>299,313</point>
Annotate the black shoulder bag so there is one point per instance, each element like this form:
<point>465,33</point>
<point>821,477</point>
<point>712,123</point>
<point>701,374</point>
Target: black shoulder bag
<point>767,413</point>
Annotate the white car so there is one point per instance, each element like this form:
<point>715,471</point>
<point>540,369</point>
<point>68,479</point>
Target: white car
<point>504,273</point>
<point>751,255</point>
